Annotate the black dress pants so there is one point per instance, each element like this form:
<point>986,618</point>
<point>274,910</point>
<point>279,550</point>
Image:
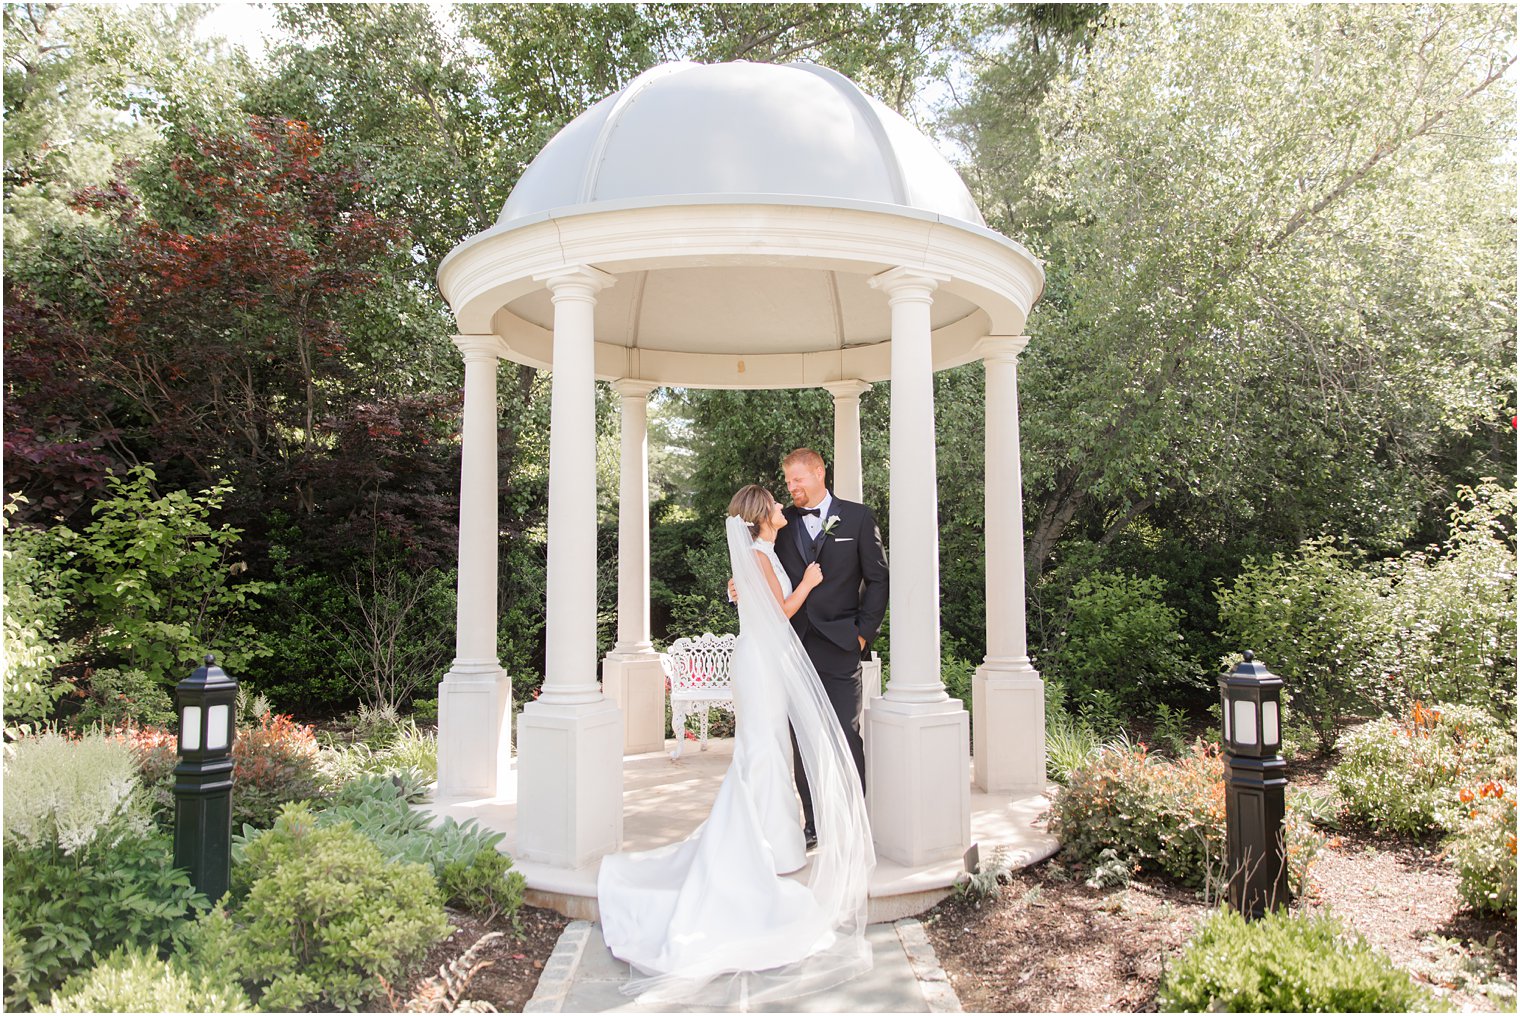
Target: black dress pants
<point>839,671</point>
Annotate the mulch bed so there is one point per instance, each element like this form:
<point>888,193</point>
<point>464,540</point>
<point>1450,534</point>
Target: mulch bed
<point>506,970</point>
<point>1048,943</point>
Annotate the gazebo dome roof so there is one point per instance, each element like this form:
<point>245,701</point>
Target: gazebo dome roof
<point>688,133</point>
<point>739,218</point>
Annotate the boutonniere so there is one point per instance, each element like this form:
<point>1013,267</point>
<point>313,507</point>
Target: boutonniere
<point>828,527</point>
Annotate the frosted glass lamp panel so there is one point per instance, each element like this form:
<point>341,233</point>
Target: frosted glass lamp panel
<point>1269,732</point>
<point>1228,729</point>
<point>1245,721</point>
<point>190,729</point>
<point>220,728</point>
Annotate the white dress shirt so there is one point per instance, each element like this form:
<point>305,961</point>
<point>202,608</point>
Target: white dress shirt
<point>814,523</point>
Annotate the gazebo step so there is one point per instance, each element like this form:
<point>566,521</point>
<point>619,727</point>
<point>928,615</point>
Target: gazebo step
<point>665,799</point>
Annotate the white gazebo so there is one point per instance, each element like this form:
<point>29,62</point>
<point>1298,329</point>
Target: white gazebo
<point>735,226</point>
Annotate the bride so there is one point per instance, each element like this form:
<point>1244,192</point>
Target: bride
<point>713,918</point>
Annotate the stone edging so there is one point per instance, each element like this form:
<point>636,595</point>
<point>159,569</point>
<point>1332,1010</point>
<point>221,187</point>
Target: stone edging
<point>559,970</point>
<point>939,996</point>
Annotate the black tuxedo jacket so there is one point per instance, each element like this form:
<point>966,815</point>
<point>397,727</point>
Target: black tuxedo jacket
<point>852,599</point>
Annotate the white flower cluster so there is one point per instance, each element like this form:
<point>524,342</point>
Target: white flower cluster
<point>66,792</point>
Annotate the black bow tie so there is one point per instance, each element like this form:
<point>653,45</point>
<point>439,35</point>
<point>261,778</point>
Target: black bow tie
<point>815,512</point>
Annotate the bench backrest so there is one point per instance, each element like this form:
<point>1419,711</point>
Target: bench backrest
<point>699,664</point>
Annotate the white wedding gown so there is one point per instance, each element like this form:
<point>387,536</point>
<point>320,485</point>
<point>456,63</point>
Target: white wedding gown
<point>713,918</point>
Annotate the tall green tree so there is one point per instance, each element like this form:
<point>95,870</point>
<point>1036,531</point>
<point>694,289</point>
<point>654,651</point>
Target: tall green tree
<point>1280,291</point>
<point>90,85</point>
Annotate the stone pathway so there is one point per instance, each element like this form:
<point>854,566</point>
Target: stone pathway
<point>583,976</point>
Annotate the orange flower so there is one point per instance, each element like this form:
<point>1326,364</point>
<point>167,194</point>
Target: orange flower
<point>1466,795</point>
<point>1509,843</point>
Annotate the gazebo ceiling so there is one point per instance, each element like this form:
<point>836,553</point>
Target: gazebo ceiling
<point>741,209</point>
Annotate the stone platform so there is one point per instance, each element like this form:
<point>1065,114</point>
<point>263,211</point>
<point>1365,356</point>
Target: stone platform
<point>664,799</point>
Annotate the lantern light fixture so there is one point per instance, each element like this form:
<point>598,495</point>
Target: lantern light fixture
<point>207,705</point>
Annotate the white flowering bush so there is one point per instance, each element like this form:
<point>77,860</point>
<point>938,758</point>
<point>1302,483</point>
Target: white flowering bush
<point>84,872</point>
<point>65,792</point>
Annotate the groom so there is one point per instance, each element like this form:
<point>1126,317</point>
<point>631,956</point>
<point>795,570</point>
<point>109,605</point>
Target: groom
<point>841,617</point>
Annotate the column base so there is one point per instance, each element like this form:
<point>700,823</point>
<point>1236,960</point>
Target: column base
<point>636,682</point>
<point>918,796</point>
<point>474,732</point>
<point>1009,706</point>
<point>569,782</point>
<point>870,677</point>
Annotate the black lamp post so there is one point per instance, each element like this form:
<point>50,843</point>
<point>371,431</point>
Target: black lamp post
<point>1255,788</point>
<point>207,703</point>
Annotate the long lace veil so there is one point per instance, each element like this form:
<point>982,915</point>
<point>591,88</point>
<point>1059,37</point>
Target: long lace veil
<point>840,870</point>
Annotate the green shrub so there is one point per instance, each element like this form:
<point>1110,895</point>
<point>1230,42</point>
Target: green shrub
<point>485,884</point>
<point>1123,639</point>
<point>158,580</point>
<point>1403,775</point>
<point>377,807</point>
<point>1100,709</point>
<point>298,675</point>
<point>1069,745</point>
<point>956,672</point>
<point>134,980</point>
<point>1159,815</point>
<point>1318,621</point>
<point>34,608</point>
<point>116,697</point>
<point>1483,847</point>
<point>275,761</point>
<point>1170,730</point>
<point>1152,814</point>
<point>1453,608</point>
<point>64,912</point>
<point>1285,963</point>
<point>404,751</point>
<point>61,792</point>
<point>1428,626</point>
<point>327,916</point>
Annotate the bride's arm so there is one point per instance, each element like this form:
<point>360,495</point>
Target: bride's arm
<point>789,604</point>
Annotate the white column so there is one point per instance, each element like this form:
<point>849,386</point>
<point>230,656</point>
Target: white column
<point>918,738</point>
<point>1008,697</point>
<point>915,493</point>
<point>850,485</point>
<point>475,698</point>
<point>631,673</point>
<point>847,470</point>
<point>569,740</point>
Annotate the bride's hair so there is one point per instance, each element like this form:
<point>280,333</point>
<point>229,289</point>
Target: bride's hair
<point>752,503</point>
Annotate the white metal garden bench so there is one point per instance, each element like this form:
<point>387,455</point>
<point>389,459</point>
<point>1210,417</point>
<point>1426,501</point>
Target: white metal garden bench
<point>698,672</point>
